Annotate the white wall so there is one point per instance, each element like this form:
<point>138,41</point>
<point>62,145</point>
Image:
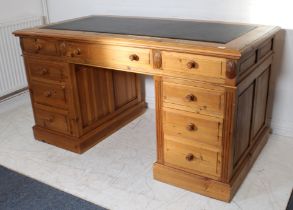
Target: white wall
<point>14,9</point>
<point>249,11</point>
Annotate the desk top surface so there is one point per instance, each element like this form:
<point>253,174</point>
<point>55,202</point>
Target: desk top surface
<point>162,28</point>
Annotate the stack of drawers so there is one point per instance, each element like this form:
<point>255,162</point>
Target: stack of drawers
<point>50,94</point>
<point>192,119</point>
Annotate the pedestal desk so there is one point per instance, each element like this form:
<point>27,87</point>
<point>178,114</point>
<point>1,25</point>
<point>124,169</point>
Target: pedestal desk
<point>212,83</point>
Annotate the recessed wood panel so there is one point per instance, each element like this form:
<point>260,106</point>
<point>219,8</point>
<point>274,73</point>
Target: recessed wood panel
<point>265,48</point>
<point>95,90</point>
<point>248,62</point>
<point>244,115</point>
<point>125,89</point>
<point>260,103</point>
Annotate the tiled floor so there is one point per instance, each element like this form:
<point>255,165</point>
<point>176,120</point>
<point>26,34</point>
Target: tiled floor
<point>117,173</point>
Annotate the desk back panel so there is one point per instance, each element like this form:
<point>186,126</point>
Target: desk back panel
<point>103,92</point>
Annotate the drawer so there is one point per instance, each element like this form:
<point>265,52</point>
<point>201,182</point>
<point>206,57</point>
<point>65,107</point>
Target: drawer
<point>51,95</point>
<point>47,70</point>
<point>265,49</point>
<point>40,46</point>
<point>123,57</point>
<point>52,121</point>
<point>74,50</point>
<point>192,128</point>
<point>108,56</point>
<point>196,159</point>
<point>193,64</point>
<point>195,99</point>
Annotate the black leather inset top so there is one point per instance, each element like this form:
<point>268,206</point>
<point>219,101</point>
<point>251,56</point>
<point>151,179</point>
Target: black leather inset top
<point>162,28</point>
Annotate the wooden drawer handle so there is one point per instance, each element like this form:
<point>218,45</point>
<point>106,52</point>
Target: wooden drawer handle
<point>63,48</point>
<point>191,127</point>
<point>134,57</point>
<point>189,157</point>
<point>191,97</point>
<point>44,71</point>
<point>76,52</point>
<point>48,94</point>
<point>157,60</point>
<point>38,47</point>
<point>191,65</point>
<point>50,119</point>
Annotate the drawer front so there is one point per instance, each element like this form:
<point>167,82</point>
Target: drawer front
<point>192,64</point>
<point>124,57</point>
<point>108,56</point>
<point>265,49</point>
<point>74,50</point>
<point>53,121</point>
<point>199,100</point>
<point>192,158</point>
<point>47,70</point>
<point>47,94</point>
<point>192,128</point>
<point>39,46</point>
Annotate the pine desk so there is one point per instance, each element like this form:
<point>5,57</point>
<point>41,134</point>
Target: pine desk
<point>212,82</point>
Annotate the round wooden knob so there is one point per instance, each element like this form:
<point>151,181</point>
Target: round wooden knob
<point>191,65</point>
<point>76,52</point>
<point>48,94</point>
<point>190,97</point>
<point>50,119</point>
<point>189,157</point>
<point>38,47</point>
<point>44,71</point>
<point>191,127</point>
<point>133,57</point>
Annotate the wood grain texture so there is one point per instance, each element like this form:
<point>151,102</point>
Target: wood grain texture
<point>190,127</point>
<point>194,158</point>
<point>192,182</point>
<point>200,100</point>
<point>159,119</point>
<point>47,70</point>
<point>192,64</point>
<point>93,85</point>
<point>51,95</point>
<point>233,49</point>
<point>82,144</point>
<point>124,88</point>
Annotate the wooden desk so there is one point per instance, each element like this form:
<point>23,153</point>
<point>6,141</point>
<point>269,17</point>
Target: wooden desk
<point>212,95</point>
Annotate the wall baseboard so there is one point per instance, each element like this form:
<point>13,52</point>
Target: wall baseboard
<point>151,102</point>
<point>15,101</point>
<point>282,129</point>
<point>8,96</point>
